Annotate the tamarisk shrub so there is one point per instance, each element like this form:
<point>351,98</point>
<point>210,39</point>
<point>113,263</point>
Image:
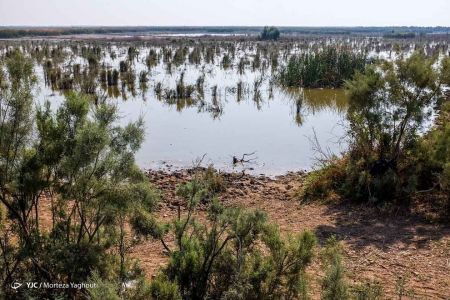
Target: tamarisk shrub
<point>81,164</point>
<point>225,257</point>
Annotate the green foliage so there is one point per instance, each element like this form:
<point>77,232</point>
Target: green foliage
<point>84,165</point>
<point>15,117</point>
<point>163,289</point>
<point>322,183</point>
<point>103,289</point>
<point>213,181</point>
<point>388,107</point>
<point>387,158</point>
<point>225,257</point>
<point>152,59</point>
<point>270,33</point>
<point>437,142</point>
<point>328,67</point>
<point>367,291</point>
<point>445,71</point>
<point>334,286</point>
<point>226,61</point>
<point>432,160</point>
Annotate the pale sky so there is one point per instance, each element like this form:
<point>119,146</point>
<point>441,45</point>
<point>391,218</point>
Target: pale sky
<point>225,12</point>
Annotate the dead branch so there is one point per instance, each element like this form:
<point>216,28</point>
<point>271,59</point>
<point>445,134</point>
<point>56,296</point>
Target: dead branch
<point>322,155</point>
<point>243,159</point>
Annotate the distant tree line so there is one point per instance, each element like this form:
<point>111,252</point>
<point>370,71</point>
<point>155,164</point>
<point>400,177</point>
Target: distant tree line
<point>16,32</point>
<point>400,35</point>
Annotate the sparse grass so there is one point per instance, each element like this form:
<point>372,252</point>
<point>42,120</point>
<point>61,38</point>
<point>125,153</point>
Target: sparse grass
<point>213,180</point>
<point>324,184</point>
<point>368,291</point>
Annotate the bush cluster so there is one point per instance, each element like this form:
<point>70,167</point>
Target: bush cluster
<point>390,157</point>
<point>329,67</point>
<point>270,33</point>
<point>80,164</point>
<point>236,254</point>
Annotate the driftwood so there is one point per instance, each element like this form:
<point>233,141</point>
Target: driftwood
<point>244,159</point>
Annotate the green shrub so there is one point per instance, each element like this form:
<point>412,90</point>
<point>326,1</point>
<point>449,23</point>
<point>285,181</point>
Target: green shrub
<point>388,106</point>
<point>163,289</point>
<point>367,291</point>
<point>433,161</point>
<point>334,286</point>
<point>324,183</point>
<point>83,163</point>
<point>235,254</point>
<point>402,290</point>
<point>270,33</point>
<point>388,159</point>
<point>213,181</point>
<point>103,289</point>
<point>329,67</point>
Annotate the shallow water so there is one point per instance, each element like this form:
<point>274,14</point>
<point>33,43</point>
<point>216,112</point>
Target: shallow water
<point>279,135</point>
<point>280,144</point>
<point>275,124</point>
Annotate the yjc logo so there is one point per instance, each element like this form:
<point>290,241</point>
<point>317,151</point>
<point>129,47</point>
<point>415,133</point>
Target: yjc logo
<point>32,285</point>
<point>16,285</point>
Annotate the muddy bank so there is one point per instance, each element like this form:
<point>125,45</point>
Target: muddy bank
<point>237,185</point>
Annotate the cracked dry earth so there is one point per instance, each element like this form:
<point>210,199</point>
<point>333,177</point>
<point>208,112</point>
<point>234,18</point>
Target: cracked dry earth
<point>389,248</point>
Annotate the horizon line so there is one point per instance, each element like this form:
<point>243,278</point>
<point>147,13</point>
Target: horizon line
<point>246,26</point>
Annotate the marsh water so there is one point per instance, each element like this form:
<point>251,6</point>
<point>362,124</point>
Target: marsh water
<point>279,132</point>
<point>211,99</point>
<point>238,113</point>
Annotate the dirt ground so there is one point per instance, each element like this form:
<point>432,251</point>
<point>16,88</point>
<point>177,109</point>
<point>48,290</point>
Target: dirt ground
<point>392,247</point>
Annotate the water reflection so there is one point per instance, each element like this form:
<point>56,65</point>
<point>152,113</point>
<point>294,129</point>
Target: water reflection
<point>180,132</point>
<point>311,101</point>
<point>227,122</point>
<point>304,102</point>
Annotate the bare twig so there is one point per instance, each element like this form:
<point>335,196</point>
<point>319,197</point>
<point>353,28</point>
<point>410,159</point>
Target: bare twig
<point>243,159</point>
<point>322,155</point>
